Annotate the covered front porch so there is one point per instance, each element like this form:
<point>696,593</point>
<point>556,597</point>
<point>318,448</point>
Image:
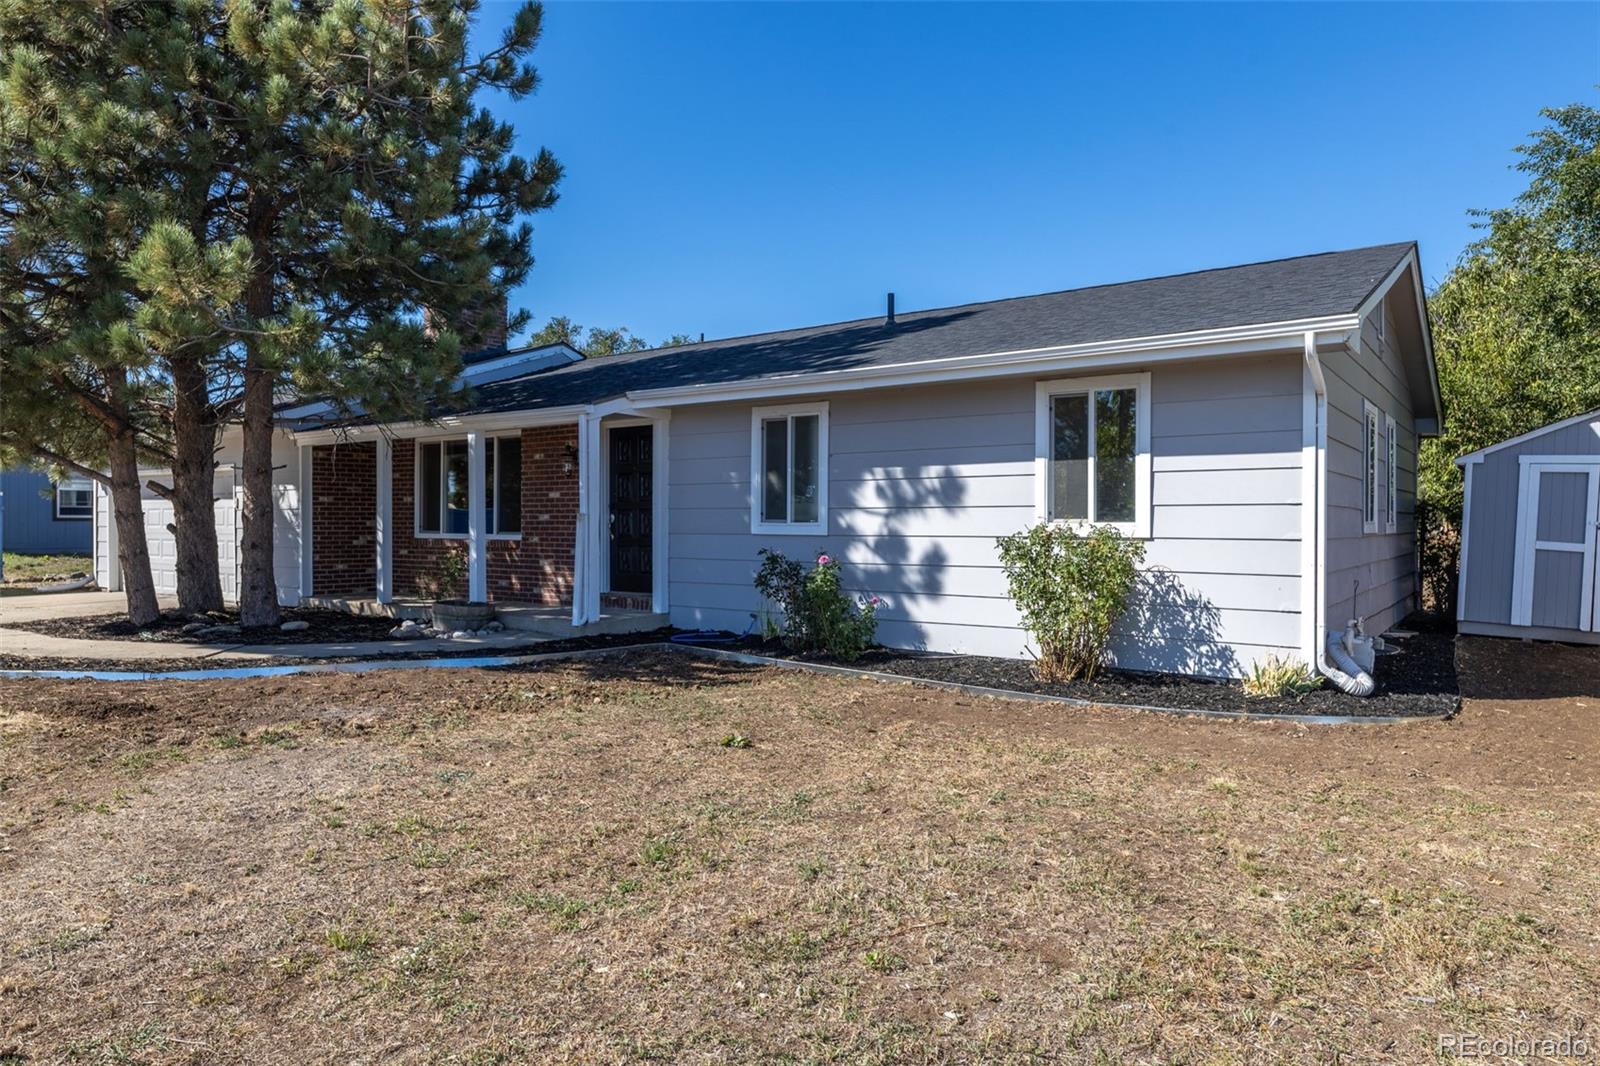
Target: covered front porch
<point>559,520</point>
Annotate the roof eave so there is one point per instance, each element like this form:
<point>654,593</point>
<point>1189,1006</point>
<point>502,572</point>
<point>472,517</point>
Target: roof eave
<point>1238,340</point>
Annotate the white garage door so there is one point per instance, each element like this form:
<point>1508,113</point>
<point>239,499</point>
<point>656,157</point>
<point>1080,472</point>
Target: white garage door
<point>164,549</point>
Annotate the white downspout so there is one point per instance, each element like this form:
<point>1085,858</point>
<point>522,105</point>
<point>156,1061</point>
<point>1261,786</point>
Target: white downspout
<point>1343,671</point>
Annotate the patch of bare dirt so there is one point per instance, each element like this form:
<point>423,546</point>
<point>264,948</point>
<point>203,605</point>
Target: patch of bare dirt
<point>584,861</point>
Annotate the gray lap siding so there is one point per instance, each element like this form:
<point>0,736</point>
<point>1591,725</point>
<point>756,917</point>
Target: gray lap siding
<point>922,480</point>
<point>1369,575</point>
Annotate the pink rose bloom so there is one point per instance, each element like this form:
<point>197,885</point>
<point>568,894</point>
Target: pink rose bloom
<point>822,560</point>
<point>875,601</point>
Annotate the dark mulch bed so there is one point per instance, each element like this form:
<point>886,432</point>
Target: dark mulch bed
<point>1419,681</point>
<point>607,640</point>
<point>327,627</point>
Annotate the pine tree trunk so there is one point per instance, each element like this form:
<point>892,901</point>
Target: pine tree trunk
<point>193,475</point>
<point>128,510</point>
<point>258,596</point>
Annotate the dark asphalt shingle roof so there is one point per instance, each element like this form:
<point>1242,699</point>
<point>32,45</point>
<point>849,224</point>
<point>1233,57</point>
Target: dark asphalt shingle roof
<point>1282,290</point>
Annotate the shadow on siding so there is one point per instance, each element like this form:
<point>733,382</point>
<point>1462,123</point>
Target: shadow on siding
<point>1172,628</point>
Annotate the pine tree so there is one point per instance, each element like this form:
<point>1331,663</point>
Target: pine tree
<point>355,169</point>
<point>314,174</point>
<point>77,384</point>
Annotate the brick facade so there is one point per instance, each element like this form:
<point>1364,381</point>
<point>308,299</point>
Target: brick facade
<point>344,492</point>
<point>535,569</point>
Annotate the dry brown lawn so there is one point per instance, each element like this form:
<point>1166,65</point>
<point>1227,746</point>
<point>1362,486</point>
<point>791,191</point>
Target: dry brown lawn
<point>571,863</point>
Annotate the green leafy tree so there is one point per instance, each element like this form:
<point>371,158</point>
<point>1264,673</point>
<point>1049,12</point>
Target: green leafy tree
<point>597,342</point>
<point>1516,323</point>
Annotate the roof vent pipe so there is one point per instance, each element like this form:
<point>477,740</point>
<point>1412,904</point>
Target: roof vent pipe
<point>888,318</point>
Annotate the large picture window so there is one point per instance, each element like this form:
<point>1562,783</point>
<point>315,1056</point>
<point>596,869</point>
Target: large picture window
<point>789,469</point>
<point>75,499</point>
<point>1092,457</point>
<point>443,489</point>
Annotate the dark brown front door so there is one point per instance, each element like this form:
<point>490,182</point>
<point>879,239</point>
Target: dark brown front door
<point>630,509</point>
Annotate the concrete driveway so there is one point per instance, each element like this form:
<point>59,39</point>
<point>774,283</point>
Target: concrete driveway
<point>39,606</point>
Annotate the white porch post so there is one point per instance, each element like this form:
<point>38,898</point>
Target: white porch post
<point>477,521</point>
<point>586,540</point>
<point>581,527</point>
<point>660,513</point>
<point>383,520</point>
<point>307,544</point>
<point>598,526</point>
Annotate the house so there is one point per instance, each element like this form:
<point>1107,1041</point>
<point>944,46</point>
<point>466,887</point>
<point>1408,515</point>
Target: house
<point>1530,521</point>
<point>39,516</point>
<point>1255,425</point>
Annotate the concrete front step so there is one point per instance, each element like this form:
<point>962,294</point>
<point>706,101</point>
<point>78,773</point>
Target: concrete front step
<point>522,618</point>
<point>557,621</point>
<point>368,607</point>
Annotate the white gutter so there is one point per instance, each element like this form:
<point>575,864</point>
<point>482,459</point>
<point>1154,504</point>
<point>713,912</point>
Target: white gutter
<point>1240,340</point>
<point>1270,337</point>
<point>1343,672</point>
<point>446,425</point>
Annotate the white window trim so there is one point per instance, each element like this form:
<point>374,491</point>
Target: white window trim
<point>1139,528</point>
<point>416,487</point>
<point>1371,423</point>
<point>757,473</point>
<point>1391,513</point>
<point>76,484</point>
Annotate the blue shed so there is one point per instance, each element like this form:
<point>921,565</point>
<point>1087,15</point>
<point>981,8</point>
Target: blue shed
<point>1530,546</point>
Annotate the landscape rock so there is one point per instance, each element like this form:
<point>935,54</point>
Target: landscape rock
<point>295,626</point>
<point>405,633</point>
<point>494,627</point>
<point>462,634</point>
<point>213,632</point>
<point>195,627</point>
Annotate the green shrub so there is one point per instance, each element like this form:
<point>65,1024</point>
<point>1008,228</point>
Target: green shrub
<point>1274,676</point>
<point>1070,590</point>
<point>818,616</point>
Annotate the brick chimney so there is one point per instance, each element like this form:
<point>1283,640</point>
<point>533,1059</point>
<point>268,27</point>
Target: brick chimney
<point>481,328</point>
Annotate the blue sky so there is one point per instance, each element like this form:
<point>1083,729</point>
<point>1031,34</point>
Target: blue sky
<point>733,168</point>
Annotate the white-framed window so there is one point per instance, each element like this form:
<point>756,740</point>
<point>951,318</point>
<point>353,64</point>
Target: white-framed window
<point>75,499</point>
<point>1369,481</point>
<point>1390,479</point>
<point>442,491</point>
<point>1092,452</point>
<point>789,469</point>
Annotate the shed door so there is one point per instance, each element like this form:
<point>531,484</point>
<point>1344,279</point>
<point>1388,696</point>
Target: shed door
<point>1558,522</point>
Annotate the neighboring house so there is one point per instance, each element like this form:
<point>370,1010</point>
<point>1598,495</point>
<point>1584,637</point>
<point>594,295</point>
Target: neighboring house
<point>1256,426</point>
<point>39,516</point>
<point>1531,522</point>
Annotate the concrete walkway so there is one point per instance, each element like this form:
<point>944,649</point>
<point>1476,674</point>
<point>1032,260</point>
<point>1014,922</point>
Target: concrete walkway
<point>15,609</point>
